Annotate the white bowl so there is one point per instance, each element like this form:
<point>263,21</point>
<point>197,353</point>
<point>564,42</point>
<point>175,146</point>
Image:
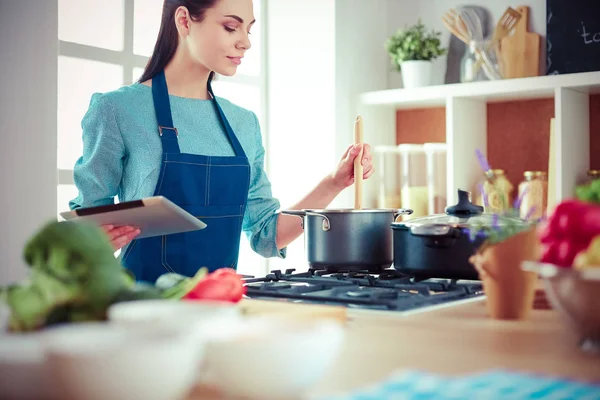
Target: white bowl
<point>576,296</point>
<point>197,315</point>
<point>97,361</point>
<point>22,371</point>
<point>272,357</point>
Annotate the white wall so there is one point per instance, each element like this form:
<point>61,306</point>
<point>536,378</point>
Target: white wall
<point>28,78</point>
<point>301,103</point>
<point>406,12</point>
<point>360,56</point>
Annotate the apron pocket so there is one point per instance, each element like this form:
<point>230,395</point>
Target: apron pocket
<point>182,175</point>
<point>228,184</point>
<point>214,247</point>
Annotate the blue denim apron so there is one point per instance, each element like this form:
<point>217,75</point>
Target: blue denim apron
<point>214,189</point>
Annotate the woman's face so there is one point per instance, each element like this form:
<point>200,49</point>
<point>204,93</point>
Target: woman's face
<point>221,39</point>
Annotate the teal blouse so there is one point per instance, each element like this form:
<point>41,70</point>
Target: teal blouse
<point>122,153</point>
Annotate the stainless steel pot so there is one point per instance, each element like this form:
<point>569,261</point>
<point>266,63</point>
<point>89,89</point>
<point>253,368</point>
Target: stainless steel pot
<point>348,239</point>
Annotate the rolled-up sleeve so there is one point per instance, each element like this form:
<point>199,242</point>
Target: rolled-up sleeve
<point>260,219</point>
<point>97,173</point>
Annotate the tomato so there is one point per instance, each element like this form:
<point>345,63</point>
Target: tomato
<point>222,285</point>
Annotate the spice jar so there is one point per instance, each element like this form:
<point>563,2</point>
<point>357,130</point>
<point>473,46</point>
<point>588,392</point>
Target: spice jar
<point>533,193</point>
<point>593,174</point>
<point>495,194</point>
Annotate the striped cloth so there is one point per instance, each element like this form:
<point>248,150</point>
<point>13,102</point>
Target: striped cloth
<point>491,385</point>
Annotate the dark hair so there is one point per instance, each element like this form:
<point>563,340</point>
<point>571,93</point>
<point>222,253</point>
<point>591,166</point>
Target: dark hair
<point>168,39</point>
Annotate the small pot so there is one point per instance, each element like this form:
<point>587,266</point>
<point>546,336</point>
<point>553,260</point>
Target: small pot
<point>439,246</point>
<point>510,289</point>
<point>348,239</point>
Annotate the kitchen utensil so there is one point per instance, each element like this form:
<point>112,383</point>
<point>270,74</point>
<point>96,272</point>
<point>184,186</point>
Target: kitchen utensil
<point>358,168</point>
<point>521,51</point>
<point>456,47</point>
<point>439,246</point>
<point>468,32</point>
<point>504,27</point>
<point>272,357</point>
<point>574,293</point>
<point>348,239</point>
<point>90,361</point>
<point>254,307</point>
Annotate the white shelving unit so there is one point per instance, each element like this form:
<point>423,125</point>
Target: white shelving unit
<point>466,123</point>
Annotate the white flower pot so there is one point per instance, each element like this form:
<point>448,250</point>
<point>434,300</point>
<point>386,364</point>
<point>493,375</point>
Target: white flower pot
<point>417,73</point>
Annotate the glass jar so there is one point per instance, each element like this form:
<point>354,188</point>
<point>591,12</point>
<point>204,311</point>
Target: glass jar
<point>593,174</point>
<point>496,195</point>
<point>533,193</point>
<point>413,190</point>
<point>470,68</point>
<point>436,177</point>
<point>387,159</point>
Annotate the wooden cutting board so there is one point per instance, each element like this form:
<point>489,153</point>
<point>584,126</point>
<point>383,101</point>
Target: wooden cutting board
<point>521,51</point>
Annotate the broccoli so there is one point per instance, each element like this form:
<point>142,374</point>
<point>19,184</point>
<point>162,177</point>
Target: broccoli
<point>74,276</point>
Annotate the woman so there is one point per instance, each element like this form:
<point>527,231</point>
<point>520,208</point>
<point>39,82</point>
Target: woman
<point>169,135</point>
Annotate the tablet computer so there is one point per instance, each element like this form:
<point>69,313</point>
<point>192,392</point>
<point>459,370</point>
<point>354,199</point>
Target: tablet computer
<point>155,216</point>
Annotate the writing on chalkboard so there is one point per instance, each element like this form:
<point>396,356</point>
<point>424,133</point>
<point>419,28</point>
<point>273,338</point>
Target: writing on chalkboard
<point>572,36</point>
<point>588,38</point>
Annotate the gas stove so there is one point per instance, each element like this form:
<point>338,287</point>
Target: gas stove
<point>386,291</point>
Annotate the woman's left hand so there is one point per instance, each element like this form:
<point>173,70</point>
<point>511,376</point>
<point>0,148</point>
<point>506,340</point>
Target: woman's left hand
<point>343,176</point>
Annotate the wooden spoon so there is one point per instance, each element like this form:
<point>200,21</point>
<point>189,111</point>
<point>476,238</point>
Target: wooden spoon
<point>358,168</point>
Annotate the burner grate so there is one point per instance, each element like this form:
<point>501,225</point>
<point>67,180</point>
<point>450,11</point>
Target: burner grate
<point>388,290</point>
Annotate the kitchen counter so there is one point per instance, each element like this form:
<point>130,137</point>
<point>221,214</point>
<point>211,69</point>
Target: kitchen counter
<point>456,340</point>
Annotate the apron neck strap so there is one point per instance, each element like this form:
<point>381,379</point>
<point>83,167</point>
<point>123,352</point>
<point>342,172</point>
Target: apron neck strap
<point>168,133</point>
<point>162,108</point>
<point>233,140</point>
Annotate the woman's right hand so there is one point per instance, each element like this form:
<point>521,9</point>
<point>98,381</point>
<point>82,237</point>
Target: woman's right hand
<point>120,236</point>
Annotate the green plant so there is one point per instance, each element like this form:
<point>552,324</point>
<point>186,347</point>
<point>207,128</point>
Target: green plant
<point>414,43</point>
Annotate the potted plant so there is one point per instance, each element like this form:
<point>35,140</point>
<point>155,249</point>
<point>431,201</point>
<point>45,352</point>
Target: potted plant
<point>413,51</point>
<point>509,241</point>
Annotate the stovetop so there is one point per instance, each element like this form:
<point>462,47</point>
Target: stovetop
<point>388,290</point>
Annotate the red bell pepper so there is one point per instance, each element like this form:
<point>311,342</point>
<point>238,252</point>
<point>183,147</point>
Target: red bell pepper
<point>568,231</point>
<point>573,219</point>
<point>223,284</point>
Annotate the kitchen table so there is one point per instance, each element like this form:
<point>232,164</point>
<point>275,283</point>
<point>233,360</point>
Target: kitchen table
<point>459,339</point>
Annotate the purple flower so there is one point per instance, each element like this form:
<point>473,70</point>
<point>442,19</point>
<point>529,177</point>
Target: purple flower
<point>485,199</point>
<point>482,161</point>
<point>530,213</point>
<point>519,199</point>
<point>495,220</point>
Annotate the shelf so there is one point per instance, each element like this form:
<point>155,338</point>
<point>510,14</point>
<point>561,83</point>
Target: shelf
<point>538,87</point>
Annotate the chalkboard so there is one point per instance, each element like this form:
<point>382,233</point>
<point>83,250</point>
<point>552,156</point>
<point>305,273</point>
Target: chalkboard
<point>572,36</point>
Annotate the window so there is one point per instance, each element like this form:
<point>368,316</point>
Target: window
<point>113,47</point>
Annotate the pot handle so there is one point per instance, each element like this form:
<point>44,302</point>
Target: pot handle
<point>435,230</point>
<point>296,213</point>
<point>402,211</point>
<point>302,214</point>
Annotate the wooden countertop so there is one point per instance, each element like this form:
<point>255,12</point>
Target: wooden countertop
<point>456,340</point>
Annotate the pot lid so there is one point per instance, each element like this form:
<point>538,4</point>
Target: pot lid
<point>487,219</point>
<point>357,211</point>
<point>464,214</point>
